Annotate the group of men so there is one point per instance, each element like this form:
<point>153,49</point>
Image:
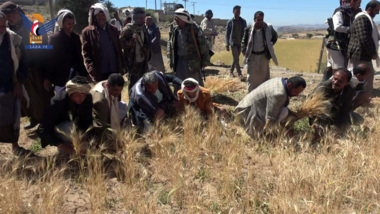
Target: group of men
<point>53,88</point>
<point>352,45</point>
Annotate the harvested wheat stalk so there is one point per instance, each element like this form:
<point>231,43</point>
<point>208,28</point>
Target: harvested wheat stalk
<point>315,106</point>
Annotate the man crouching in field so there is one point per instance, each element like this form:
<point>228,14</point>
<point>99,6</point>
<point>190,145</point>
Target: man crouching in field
<point>69,108</point>
<point>340,95</point>
<point>268,103</point>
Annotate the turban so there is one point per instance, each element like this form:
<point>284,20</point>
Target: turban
<point>183,15</point>
<point>192,89</point>
<point>137,13</point>
<point>9,7</point>
<point>61,16</point>
<point>95,9</point>
<point>72,87</point>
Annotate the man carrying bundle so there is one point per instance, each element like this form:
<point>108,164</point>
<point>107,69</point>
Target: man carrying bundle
<point>267,104</point>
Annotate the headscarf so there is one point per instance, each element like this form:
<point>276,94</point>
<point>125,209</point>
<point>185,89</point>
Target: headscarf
<point>61,16</point>
<point>186,90</point>
<point>95,9</point>
<point>9,7</point>
<point>184,15</point>
<point>72,87</point>
<point>137,13</point>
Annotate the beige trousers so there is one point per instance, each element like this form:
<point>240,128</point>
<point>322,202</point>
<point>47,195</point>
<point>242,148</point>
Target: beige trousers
<point>257,70</point>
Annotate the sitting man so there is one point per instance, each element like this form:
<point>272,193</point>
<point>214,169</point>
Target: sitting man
<point>267,104</point>
<point>340,94</point>
<point>151,98</point>
<point>108,112</point>
<point>193,94</point>
<point>69,108</point>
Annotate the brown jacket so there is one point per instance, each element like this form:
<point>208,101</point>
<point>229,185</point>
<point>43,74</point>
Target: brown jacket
<point>90,49</point>
<point>204,101</point>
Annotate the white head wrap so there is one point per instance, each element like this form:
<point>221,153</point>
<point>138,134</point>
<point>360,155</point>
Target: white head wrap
<point>61,16</point>
<point>184,15</point>
<point>95,9</point>
<point>185,91</point>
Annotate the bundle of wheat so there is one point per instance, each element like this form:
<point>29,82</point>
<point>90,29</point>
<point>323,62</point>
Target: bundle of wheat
<point>222,85</point>
<point>315,106</point>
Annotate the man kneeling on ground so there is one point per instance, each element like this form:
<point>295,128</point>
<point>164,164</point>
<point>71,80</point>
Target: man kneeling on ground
<point>108,111</point>
<point>267,104</point>
<point>340,95</point>
<point>151,98</point>
<point>193,94</point>
<point>69,108</point>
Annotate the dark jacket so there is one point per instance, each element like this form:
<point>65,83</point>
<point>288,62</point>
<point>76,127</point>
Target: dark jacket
<point>144,103</point>
<point>361,45</point>
<point>195,63</point>
<point>62,109</point>
<point>9,77</point>
<point>341,102</point>
<point>154,33</point>
<point>90,49</point>
<point>229,40</point>
<point>66,54</point>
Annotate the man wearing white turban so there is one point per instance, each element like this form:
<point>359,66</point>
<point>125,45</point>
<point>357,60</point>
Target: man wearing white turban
<point>188,48</point>
<point>101,46</point>
<point>66,59</point>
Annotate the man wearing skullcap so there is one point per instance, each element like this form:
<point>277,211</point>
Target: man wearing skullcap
<point>66,60</point>
<point>154,35</point>
<point>13,75</point>
<point>101,45</point>
<point>36,65</point>
<point>194,95</point>
<point>208,28</point>
<point>189,52</point>
<point>68,109</point>
<point>135,44</point>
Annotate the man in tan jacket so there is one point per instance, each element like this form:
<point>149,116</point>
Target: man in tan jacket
<point>108,112</point>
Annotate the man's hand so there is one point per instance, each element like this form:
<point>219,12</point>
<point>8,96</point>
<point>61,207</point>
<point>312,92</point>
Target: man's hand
<point>47,85</point>
<point>227,48</point>
<point>134,36</point>
<point>159,114</point>
<point>18,91</point>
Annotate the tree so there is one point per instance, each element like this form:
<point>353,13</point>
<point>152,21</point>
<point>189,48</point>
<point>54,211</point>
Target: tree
<point>80,10</point>
<point>309,35</point>
<point>295,35</point>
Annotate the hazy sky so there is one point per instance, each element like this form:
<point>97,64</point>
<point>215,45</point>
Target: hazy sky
<point>277,12</point>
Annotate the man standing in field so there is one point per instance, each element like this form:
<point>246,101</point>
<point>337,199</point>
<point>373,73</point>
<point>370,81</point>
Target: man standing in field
<point>189,52</point>
<point>364,41</point>
<point>13,74</point>
<point>338,40</point>
<point>208,28</point>
<point>257,45</point>
<point>268,103</point>
<point>234,36</point>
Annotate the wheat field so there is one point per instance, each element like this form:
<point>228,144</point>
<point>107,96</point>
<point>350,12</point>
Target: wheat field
<point>300,55</point>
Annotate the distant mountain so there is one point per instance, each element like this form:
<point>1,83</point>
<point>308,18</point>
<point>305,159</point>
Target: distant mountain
<point>300,28</point>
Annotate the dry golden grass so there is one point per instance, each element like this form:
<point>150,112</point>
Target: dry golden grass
<point>223,85</point>
<point>315,106</point>
<point>204,167</point>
